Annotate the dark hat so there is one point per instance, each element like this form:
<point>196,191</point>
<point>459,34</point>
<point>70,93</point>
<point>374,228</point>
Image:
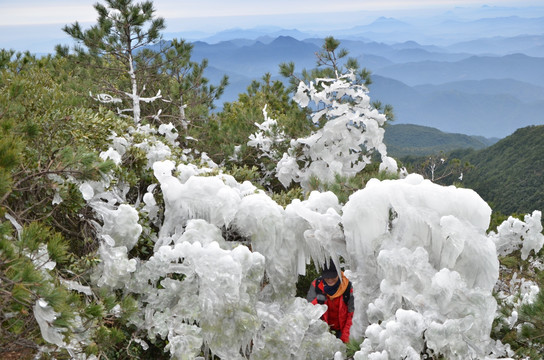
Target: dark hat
<point>329,272</point>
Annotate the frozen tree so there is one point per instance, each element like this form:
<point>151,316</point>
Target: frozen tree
<point>200,290</point>
<point>352,129</point>
<point>422,267</point>
<point>126,49</point>
<point>514,234</point>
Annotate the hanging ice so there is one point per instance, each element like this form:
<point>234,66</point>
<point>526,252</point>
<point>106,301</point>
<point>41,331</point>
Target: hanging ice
<point>421,247</point>
<point>45,315</point>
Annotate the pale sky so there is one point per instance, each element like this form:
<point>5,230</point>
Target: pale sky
<point>26,12</point>
<point>36,25</point>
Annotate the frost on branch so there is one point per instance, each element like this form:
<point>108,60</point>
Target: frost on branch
<point>422,269</point>
<point>199,290</point>
<point>514,234</point>
<point>352,130</point>
<point>267,136</point>
<point>45,315</point>
<point>267,140</point>
<point>518,286</point>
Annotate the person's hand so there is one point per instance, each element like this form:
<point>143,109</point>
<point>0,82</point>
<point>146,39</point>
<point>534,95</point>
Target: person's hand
<point>321,298</point>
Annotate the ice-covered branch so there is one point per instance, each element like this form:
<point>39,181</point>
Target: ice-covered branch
<point>514,234</point>
<point>105,98</point>
<point>352,130</point>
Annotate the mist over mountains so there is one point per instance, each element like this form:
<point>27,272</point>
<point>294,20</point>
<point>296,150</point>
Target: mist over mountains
<point>471,70</point>
<point>488,83</point>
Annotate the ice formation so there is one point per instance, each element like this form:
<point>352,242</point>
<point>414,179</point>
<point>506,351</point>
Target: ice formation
<point>198,289</point>
<point>514,234</point>
<point>45,315</point>
<point>422,269</point>
<point>352,130</point>
<point>226,256</point>
<point>421,265</point>
<point>269,134</point>
<point>515,291</point>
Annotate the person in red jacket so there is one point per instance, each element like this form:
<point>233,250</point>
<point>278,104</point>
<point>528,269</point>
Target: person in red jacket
<point>335,291</point>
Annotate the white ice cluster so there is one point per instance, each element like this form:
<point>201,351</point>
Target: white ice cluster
<point>199,290</point>
<point>422,268</point>
<point>269,134</point>
<point>45,315</point>
<point>352,130</point>
<point>267,141</point>
<point>420,262</point>
<point>515,290</point>
<point>144,137</point>
<point>226,256</point>
<point>514,234</point>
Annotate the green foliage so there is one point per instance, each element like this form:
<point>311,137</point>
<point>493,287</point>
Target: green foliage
<point>126,51</point>
<point>47,134</point>
<point>352,347</point>
<point>123,28</point>
<point>244,173</point>
<point>439,168</point>
<point>48,137</point>
<point>187,95</point>
<point>304,281</point>
<point>24,280</point>
<point>285,197</point>
<point>509,174</point>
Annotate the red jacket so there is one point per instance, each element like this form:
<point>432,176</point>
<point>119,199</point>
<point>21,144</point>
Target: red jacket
<point>339,315</point>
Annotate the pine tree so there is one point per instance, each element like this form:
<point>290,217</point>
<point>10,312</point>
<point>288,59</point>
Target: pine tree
<point>532,333</point>
<point>123,28</point>
<point>331,62</point>
<point>126,50</point>
<point>187,96</point>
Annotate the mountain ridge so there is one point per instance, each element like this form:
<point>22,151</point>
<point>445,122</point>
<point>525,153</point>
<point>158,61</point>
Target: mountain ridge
<point>417,140</point>
<point>510,173</point>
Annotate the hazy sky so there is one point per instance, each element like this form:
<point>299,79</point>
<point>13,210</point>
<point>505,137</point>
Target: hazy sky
<point>25,12</point>
<point>36,25</point>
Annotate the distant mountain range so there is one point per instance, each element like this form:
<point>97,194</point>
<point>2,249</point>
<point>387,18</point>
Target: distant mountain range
<point>457,92</point>
<point>446,29</point>
<point>517,66</point>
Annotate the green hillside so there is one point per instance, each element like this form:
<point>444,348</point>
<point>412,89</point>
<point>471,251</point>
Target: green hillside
<point>509,175</point>
<point>415,140</point>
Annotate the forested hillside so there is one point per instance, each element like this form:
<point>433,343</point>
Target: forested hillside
<point>507,174</point>
<point>416,140</point>
<point>510,174</point>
